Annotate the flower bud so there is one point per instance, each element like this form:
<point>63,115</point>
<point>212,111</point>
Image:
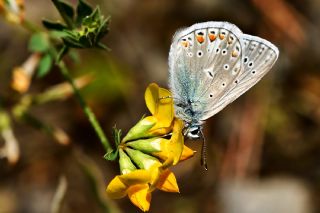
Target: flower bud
<point>147,145</point>
<point>126,166</point>
<point>143,161</point>
<point>140,129</point>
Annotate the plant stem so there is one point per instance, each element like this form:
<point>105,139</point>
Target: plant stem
<point>90,115</point>
<point>63,69</point>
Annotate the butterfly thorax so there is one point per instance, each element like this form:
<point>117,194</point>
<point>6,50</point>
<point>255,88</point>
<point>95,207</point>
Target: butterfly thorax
<point>188,111</point>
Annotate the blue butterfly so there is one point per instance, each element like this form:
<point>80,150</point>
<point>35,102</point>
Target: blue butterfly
<point>210,65</point>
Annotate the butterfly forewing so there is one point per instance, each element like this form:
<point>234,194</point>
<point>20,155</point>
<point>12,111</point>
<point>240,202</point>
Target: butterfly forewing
<point>259,55</point>
<point>204,61</point>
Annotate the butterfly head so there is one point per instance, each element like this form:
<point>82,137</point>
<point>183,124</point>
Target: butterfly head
<point>193,132</point>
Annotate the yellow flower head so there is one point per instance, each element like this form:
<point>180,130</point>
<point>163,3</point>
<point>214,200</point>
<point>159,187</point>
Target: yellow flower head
<point>147,151</point>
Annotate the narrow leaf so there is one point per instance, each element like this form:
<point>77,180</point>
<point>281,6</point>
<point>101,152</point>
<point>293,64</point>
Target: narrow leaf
<point>83,10</point>
<point>66,12</point>
<point>39,42</point>
<point>45,65</point>
<point>53,25</point>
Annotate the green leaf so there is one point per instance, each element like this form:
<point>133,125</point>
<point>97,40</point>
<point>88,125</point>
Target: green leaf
<point>58,34</point>
<point>66,12</point>
<point>116,133</point>
<point>39,42</point>
<point>53,25</point>
<point>112,155</point>
<point>83,10</point>
<point>45,65</point>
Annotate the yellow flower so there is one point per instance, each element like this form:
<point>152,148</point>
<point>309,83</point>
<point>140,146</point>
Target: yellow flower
<point>160,104</point>
<point>138,184</point>
<point>147,151</point>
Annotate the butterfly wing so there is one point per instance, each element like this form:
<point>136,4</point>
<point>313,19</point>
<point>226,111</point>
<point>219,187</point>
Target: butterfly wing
<point>259,55</point>
<point>204,61</point>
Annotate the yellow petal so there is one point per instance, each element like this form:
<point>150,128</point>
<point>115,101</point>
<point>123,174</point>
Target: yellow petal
<point>186,153</point>
<point>151,97</point>
<point>165,112</point>
<point>140,196</point>
<point>160,104</point>
<point>163,154</point>
<point>176,142</point>
<point>116,188</point>
<point>168,182</point>
<point>136,177</point>
<point>158,130</point>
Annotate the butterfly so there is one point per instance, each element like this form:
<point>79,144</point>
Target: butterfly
<point>210,65</point>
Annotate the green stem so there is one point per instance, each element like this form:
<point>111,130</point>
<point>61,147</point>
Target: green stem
<point>90,115</point>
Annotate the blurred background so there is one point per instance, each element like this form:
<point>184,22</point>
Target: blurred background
<point>263,149</point>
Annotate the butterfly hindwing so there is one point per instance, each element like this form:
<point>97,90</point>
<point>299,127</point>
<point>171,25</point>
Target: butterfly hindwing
<point>204,61</point>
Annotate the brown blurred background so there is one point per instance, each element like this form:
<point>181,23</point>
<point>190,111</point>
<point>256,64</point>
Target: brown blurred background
<point>263,149</point>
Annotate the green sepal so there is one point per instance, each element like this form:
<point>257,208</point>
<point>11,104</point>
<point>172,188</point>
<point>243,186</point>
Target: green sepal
<point>139,130</point>
<point>146,145</point>
<point>125,163</point>
<point>143,161</point>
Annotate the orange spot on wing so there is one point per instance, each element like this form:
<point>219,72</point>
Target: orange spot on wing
<point>234,53</point>
<point>200,39</point>
<point>185,43</point>
<point>212,37</point>
<point>221,36</point>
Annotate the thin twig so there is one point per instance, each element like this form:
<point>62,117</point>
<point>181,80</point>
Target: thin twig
<point>59,195</point>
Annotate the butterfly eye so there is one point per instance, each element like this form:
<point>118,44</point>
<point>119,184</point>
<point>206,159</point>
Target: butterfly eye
<point>226,66</point>
<point>194,133</point>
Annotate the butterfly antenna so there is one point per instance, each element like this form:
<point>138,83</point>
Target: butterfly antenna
<point>203,152</point>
